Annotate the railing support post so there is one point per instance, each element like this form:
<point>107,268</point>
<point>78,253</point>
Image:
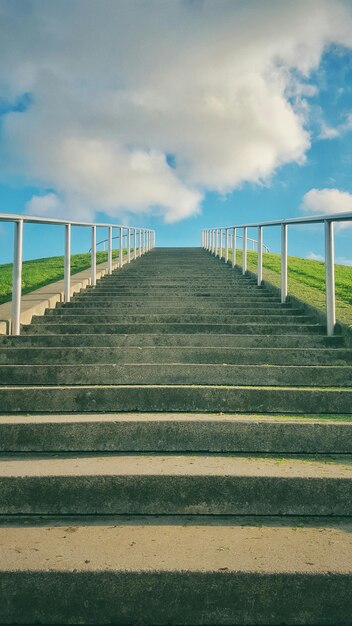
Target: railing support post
<point>217,242</point>
<point>284,275</point>
<point>128,245</point>
<point>234,247</point>
<point>94,257</point>
<point>121,248</point>
<point>330,278</point>
<point>260,255</point>
<point>226,245</point>
<point>67,265</point>
<point>109,249</point>
<point>220,242</point>
<point>134,244</point>
<point>244,252</point>
<point>17,279</point>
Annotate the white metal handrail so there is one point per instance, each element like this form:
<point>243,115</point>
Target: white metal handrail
<point>212,239</point>
<point>143,240</point>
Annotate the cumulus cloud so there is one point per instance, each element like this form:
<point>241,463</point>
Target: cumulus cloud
<point>326,201</point>
<point>143,106</point>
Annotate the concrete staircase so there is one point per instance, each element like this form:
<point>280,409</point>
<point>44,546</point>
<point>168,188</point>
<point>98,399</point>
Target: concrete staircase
<point>176,449</point>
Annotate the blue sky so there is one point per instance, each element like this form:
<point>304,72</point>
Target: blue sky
<point>187,132</point>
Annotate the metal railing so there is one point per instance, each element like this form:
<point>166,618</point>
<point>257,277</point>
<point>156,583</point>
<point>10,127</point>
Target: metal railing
<point>211,240</point>
<point>143,241</point>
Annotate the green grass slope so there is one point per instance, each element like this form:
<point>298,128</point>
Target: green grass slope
<point>306,281</point>
<point>41,272</point>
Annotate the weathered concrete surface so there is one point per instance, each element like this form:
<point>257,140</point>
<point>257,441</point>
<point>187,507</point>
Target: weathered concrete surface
<point>169,432</point>
<point>175,354</point>
<point>176,398</point>
<point>125,574</point>
<point>177,484</point>
<point>177,374</point>
<point>173,339</point>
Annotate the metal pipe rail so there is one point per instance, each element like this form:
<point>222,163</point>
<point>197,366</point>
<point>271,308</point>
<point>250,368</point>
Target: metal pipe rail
<point>212,238</point>
<point>143,240</point>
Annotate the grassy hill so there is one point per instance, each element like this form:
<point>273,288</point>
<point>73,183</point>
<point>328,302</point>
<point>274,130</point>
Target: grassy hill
<point>306,278</point>
<point>41,272</point>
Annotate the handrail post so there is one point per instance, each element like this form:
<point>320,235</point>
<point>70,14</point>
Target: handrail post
<point>260,255</point>
<point>330,278</point>
<point>284,275</point>
<point>220,244</point>
<point>17,279</point>
<point>109,249</point>
<point>143,241</point>
<point>217,242</point>
<point>121,248</point>
<point>128,245</point>
<point>234,233</point>
<point>67,265</point>
<point>94,257</point>
<point>226,245</point>
<point>134,244</point>
<point>244,251</point>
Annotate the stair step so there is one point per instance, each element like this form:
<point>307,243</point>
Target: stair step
<point>176,354</point>
<point>177,327</point>
<point>176,374</point>
<point>175,398</point>
<point>57,317</point>
<point>174,339</point>
<point>85,572</point>
<point>175,485</point>
<point>169,432</point>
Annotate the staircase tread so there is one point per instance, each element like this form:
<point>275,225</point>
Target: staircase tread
<point>272,548</point>
<point>216,465</point>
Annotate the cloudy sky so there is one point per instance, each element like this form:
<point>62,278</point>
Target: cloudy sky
<point>176,114</point>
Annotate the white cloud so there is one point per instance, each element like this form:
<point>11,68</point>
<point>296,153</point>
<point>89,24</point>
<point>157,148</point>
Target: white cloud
<point>327,132</point>
<point>118,86</point>
<point>327,201</point>
<point>315,257</point>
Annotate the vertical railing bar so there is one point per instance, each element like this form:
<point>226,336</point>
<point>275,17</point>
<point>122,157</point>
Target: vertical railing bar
<point>260,255</point>
<point>110,250</point>
<point>128,245</point>
<point>226,245</point>
<point>67,265</point>
<point>234,247</point>
<point>244,251</point>
<point>94,257</point>
<point>121,248</point>
<point>284,252</point>
<point>220,242</point>
<point>17,278</point>
<point>330,278</point>
<point>134,244</point>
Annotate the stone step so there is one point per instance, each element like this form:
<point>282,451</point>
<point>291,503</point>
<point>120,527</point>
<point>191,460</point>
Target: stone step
<point>145,484</point>
<point>59,317</point>
<point>176,354</point>
<point>172,308</point>
<point>170,432</point>
<point>122,571</point>
<point>173,312</point>
<point>176,374</point>
<point>175,398</point>
<point>177,339</point>
<point>124,328</point>
<point>174,301</point>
